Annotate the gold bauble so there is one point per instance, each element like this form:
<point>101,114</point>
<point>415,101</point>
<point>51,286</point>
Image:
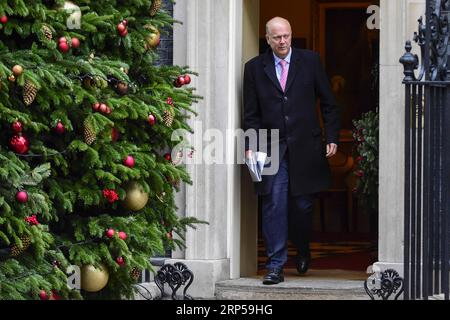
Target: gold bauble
<point>93,279</point>
<point>136,198</point>
<point>153,39</point>
<point>17,70</point>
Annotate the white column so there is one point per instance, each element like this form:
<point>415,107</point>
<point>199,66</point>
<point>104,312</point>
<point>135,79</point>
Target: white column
<point>210,42</point>
<point>397,26</point>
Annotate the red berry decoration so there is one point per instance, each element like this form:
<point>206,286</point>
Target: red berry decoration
<point>168,156</point>
<point>59,128</point>
<point>108,110</point>
<point>122,235</point>
<point>177,84</point>
<point>43,295</point>
<point>4,19</point>
<point>22,196</point>
<point>125,22</point>
<point>62,39</point>
<point>169,101</point>
<point>111,195</point>
<point>75,43</point>
<point>187,79</point>
<point>32,220</point>
<point>17,126</point>
<point>120,261</point>
<point>19,144</point>
<point>115,134</point>
<point>110,233</point>
<point>129,162</point>
<point>151,120</point>
<point>63,47</point>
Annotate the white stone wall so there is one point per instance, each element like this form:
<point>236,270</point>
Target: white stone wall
<point>398,23</point>
<point>210,42</point>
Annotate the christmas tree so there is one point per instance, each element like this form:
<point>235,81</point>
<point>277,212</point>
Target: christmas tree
<point>87,175</point>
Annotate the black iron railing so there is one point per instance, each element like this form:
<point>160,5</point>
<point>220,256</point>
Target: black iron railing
<point>427,157</point>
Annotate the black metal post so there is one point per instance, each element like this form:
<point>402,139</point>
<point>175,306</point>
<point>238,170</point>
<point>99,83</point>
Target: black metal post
<point>407,195</point>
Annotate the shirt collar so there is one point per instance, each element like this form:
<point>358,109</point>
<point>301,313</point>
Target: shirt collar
<point>287,59</point>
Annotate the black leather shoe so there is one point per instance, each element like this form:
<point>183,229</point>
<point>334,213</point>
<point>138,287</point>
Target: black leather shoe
<point>302,264</point>
<point>274,276</point>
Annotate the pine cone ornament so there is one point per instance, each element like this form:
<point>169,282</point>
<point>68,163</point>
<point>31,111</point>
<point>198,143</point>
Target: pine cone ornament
<point>168,116</point>
<point>135,273</point>
<point>156,5</point>
<point>47,32</point>
<point>89,132</point>
<point>16,250</point>
<point>29,92</point>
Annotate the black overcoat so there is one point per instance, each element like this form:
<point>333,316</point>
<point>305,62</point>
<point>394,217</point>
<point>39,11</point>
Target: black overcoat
<point>295,114</point>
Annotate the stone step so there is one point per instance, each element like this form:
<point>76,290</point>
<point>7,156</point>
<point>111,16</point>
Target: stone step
<point>332,285</point>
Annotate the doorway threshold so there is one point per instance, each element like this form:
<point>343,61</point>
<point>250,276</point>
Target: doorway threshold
<point>315,285</point>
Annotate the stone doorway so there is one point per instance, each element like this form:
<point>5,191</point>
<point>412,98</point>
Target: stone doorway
<point>344,236</point>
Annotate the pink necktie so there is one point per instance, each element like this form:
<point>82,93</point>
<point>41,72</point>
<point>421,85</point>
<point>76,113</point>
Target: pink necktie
<point>284,74</point>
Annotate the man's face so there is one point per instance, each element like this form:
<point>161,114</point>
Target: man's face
<point>279,38</point>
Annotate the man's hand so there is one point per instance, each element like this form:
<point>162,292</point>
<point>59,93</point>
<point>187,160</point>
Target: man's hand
<point>331,149</point>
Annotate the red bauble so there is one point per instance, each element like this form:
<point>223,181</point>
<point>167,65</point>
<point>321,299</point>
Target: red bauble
<point>59,128</point>
<point>43,295</point>
<point>151,120</point>
<point>103,108</point>
<point>129,162</point>
<point>22,196</point>
<point>114,134</point>
<point>123,33</point>
<point>181,80</point>
<point>121,27</point>
<point>55,295</point>
<point>63,47</point>
<point>17,126</point>
<point>110,233</point>
<point>122,235</point>
<point>19,144</point>
<point>75,43</point>
<point>187,79</point>
<point>168,156</point>
<point>177,84</point>
<point>4,19</point>
<point>125,22</point>
<point>62,39</point>
<point>96,106</point>
<point>120,261</point>
<point>108,110</point>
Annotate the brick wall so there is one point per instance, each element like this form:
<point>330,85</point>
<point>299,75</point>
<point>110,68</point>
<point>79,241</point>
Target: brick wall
<point>165,49</point>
